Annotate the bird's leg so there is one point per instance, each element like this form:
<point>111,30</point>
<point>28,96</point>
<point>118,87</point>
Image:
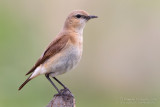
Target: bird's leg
<point>61,84</point>
<point>47,76</point>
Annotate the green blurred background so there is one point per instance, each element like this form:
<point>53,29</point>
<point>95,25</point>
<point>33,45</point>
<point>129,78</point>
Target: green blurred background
<point>120,66</point>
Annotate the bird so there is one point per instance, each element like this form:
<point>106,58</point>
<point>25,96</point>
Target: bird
<point>64,52</point>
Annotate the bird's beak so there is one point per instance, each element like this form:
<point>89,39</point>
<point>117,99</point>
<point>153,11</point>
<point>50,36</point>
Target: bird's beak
<point>90,17</point>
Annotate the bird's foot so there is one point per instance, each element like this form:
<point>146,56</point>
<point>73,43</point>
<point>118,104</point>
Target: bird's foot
<point>65,88</point>
<point>67,92</point>
<point>64,92</point>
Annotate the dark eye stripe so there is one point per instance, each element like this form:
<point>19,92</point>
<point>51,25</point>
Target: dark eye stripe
<point>78,16</point>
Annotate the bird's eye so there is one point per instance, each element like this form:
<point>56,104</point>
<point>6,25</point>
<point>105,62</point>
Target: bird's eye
<point>78,16</point>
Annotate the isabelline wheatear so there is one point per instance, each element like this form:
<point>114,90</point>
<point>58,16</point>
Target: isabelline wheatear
<point>64,52</point>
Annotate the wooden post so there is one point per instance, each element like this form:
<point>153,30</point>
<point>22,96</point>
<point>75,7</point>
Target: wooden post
<point>66,99</point>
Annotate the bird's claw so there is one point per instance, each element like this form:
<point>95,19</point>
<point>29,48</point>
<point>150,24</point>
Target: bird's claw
<point>64,92</point>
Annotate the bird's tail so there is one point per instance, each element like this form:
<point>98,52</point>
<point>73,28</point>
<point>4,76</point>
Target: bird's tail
<point>33,75</point>
<point>24,83</point>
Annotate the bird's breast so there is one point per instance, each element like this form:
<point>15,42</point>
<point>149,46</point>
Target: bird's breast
<point>72,57</point>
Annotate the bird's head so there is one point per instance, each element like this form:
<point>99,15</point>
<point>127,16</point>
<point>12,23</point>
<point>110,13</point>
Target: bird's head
<point>77,19</point>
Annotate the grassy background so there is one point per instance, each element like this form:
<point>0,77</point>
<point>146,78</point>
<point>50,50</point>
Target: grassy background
<point>120,61</point>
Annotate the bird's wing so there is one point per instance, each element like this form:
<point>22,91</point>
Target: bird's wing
<point>55,47</point>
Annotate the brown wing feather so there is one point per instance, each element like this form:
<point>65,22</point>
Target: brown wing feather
<point>56,46</point>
